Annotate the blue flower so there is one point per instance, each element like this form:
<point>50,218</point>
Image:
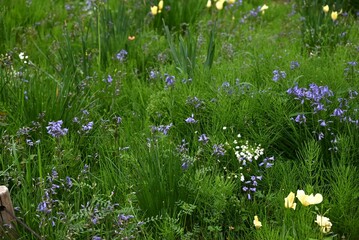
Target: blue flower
<point>191,119</point>
<point>203,138</point>
<point>55,129</point>
<point>121,56</point>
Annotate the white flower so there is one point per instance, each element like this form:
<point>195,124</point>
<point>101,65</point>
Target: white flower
<point>324,223</point>
<point>307,200</point>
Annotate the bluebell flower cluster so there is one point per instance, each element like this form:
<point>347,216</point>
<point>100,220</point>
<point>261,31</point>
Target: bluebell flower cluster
<point>316,95</point>
<point>277,75</point>
<point>121,56</point>
<point>218,150</point>
<point>294,65</point>
<point>162,128</point>
<point>55,129</point>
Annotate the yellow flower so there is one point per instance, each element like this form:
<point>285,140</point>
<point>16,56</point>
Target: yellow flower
<point>209,4</point>
<point>324,223</point>
<point>307,200</point>
<point>263,8</point>
<point>326,9</point>
<point>289,201</point>
<point>256,222</point>
<point>154,10</point>
<point>334,15</point>
<point>160,5</point>
<point>219,4</point>
<point>230,1</point>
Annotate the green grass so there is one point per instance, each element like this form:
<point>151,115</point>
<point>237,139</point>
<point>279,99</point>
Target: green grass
<point>176,138</point>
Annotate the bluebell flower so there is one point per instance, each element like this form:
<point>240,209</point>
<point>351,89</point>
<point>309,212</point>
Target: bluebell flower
<point>338,112</point>
<point>191,119</point>
<point>218,150</point>
<point>300,118</point>
<point>121,56</point>
<point>87,127</point>
<point>109,79</point>
<point>203,138</point>
<point>68,182</point>
<point>294,65</point>
<point>170,80</point>
<point>55,129</point>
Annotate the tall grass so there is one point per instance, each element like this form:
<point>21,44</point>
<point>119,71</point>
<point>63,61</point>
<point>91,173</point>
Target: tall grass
<point>116,123</point>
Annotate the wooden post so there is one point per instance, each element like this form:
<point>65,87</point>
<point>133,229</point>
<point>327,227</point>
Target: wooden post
<point>7,214</point>
<point>6,204</point>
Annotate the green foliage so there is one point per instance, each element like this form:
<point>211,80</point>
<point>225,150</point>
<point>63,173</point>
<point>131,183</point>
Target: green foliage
<point>320,31</point>
<point>148,146</point>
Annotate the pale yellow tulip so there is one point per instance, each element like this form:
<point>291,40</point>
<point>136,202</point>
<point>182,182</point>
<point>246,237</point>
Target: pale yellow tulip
<point>160,5</point>
<point>154,10</point>
<point>326,9</point>
<point>219,4</point>
<point>209,4</point>
<point>289,201</point>
<point>256,222</point>
<point>263,8</point>
<point>231,1</point>
<point>334,15</point>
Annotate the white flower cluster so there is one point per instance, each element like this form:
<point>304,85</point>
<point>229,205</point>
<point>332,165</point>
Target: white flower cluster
<point>247,152</point>
<point>23,57</point>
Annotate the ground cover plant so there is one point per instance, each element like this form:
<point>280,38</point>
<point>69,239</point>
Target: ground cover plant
<point>180,119</point>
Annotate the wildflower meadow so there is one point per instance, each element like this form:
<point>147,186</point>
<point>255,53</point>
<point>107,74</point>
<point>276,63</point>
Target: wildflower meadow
<point>179,119</point>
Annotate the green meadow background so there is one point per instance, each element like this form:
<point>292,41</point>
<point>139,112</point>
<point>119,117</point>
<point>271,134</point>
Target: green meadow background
<point>186,122</point>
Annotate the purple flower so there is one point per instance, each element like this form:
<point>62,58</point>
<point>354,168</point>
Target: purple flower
<point>322,123</point>
<point>118,120</point>
<point>109,79</point>
<point>191,119</point>
<point>162,128</point>
<point>338,112</point>
<point>43,207</point>
<point>266,162</point>
<point>218,150</point>
<point>170,80</point>
<point>121,56</point>
<point>55,129</point>
<point>300,118</point>
<point>69,182</point>
<point>353,63</point>
<point>87,127</point>
<point>278,75</point>
<point>203,138</point>
<point>125,218</point>
<point>96,238</point>
<point>153,74</point>
<point>294,65</point>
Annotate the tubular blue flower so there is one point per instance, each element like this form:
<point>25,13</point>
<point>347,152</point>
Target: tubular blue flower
<point>338,112</point>
<point>87,127</point>
<point>170,80</point>
<point>191,119</point>
<point>109,79</point>
<point>218,150</point>
<point>55,129</point>
<point>294,65</point>
<point>203,138</point>
<point>121,56</point>
<point>300,118</point>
